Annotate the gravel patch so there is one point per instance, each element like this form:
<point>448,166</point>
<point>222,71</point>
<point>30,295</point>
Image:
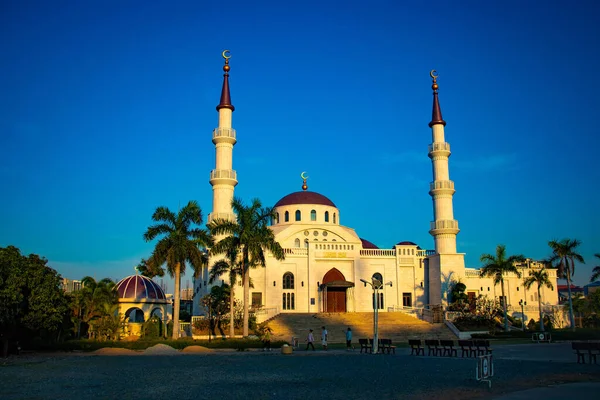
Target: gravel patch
<point>161,350</point>
<point>115,351</point>
<point>197,350</point>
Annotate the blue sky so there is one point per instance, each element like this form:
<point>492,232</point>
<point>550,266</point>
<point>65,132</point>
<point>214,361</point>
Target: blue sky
<point>107,110</point>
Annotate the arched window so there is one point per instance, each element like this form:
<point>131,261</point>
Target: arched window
<point>288,280</point>
<point>298,215</point>
<point>277,218</point>
<point>297,242</point>
<point>326,216</point>
<point>334,219</point>
<point>287,216</point>
<point>306,243</point>
<point>313,215</point>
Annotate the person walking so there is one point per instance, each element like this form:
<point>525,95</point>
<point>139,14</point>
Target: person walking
<point>349,339</point>
<point>324,338</point>
<point>267,339</point>
<point>310,339</point>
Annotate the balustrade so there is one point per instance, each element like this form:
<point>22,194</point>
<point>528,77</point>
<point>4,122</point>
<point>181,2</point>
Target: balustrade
<point>441,185</point>
<point>378,252</point>
<point>444,224</point>
<point>223,174</point>
<point>224,132</point>
<point>442,146</point>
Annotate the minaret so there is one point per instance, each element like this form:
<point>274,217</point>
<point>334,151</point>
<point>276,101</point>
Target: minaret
<point>446,265</point>
<point>223,178</point>
<point>444,227</point>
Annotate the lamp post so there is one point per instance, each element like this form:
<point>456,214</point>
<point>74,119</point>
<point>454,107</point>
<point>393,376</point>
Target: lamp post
<point>522,304</point>
<point>376,285</point>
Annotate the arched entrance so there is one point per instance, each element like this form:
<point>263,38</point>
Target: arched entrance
<point>334,288</point>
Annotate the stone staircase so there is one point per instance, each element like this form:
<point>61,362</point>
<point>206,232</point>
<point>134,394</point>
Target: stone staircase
<point>393,325</point>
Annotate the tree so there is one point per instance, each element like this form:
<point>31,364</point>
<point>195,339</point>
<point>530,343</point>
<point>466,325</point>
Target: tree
<point>146,268</point>
<point>233,268</point>
<point>539,276</point>
<point>217,304</point>
<point>96,294</point>
<point>459,299</point>
<point>596,270</point>
<point>180,243</point>
<point>498,266</point>
<point>251,235</point>
<point>564,253</point>
<point>32,303</point>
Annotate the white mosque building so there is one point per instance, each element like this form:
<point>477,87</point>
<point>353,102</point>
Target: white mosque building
<point>325,260</point>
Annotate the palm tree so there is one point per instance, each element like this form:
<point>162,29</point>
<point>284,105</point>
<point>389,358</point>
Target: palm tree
<point>565,254</point>
<point>233,267</point>
<point>180,243</point>
<point>146,268</point>
<point>92,297</point>
<point>496,267</point>
<point>596,270</point>
<point>539,276</point>
<point>250,234</point>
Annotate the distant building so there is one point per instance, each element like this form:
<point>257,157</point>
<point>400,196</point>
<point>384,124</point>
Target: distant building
<point>563,292</point>
<point>70,285</point>
<point>591,288</point>
<point>187,294</point>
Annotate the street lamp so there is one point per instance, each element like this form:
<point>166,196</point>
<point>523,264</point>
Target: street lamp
<point>376,285</point>
<point>522,304</point>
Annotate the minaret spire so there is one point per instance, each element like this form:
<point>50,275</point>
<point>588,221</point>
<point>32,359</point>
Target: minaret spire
<point>225,96</point>
<point>223,178</point>
<point>436,113</point>
<point>446,264</point>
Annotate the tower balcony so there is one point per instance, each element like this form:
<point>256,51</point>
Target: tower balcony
<point>441,226</point>
<point>226,135</point>
<point>441,187</point>
<point>223,177</point>
<point>439,149</point>
<point>223,215</point>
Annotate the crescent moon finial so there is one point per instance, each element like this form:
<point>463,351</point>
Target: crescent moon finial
<point>226,54</point>
<point>431,74</point>
<point>304,178</point>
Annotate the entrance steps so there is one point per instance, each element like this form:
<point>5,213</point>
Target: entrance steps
<point>392,325</point>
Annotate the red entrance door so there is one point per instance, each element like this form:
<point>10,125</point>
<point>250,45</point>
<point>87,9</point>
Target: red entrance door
<point>336,299</point>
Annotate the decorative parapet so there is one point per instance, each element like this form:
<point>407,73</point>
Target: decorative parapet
<point>378,252</point>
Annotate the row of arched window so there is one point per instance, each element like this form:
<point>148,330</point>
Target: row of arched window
<point>298,216</point>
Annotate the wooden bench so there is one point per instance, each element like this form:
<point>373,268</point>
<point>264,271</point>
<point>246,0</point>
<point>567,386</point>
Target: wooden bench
<point>467,347</point>
<point>592,349</point>
<point>365,345</point>
<point>448,348</point>
<point>433,345</point>
<point>386,346</point>
<point>415,347</point>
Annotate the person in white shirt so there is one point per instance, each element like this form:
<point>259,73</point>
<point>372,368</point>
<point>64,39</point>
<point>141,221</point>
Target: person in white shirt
<point>324,337</point>
<point>310,339</point>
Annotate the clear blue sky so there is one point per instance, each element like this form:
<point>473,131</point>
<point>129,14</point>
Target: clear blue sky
<point>107,110</point>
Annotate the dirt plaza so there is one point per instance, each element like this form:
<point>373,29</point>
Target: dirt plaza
<point>335,374</point>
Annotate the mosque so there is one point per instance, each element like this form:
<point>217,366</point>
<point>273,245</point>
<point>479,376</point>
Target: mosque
<point>328,266</point>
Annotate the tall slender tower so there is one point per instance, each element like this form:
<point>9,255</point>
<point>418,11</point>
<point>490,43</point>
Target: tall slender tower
<point>445,265</point>
<point>223,178</point>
